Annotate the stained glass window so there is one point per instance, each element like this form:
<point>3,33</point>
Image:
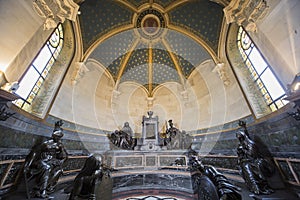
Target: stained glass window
<point>37,72</point>
<point>261,72</point>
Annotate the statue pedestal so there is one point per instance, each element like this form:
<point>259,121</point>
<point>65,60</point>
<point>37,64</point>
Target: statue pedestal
<point>150,145</point>
<point>151,140</point>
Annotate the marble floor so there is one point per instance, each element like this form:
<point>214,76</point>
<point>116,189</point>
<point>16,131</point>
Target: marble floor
<point>283,194</point>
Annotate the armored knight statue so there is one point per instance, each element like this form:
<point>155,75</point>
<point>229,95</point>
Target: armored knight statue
<point>255,168</point>
<point>212,184</point>
<point>45,164</point>
<point>172,136</point>
<point>89,178</point>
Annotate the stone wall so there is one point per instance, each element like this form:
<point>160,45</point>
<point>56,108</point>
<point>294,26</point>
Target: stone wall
<point>279,133</point>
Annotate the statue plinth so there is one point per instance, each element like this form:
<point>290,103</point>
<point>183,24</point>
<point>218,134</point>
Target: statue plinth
<point>151,140</point>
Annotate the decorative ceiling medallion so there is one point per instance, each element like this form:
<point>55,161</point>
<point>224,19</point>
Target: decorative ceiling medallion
<point>150,24</point>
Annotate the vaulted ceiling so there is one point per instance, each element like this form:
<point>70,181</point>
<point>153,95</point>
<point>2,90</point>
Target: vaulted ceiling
<point>150,42</point>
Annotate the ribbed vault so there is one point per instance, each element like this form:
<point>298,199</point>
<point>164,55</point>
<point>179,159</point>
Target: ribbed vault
<point>150,42</point>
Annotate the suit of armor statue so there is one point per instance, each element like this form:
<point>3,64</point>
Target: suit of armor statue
<point>214,182</point>
<point>254,167</point>
<point>44,163</point>
<point>85,181</point>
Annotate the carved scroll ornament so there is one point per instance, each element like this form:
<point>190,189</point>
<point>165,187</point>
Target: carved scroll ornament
<point>55,11</point>
<point>245,12</point>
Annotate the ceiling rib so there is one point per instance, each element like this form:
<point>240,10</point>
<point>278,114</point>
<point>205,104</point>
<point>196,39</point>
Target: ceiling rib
<point>129,5</point>
<point>150,69</point>
<point>174,5</point>
<point>126,58</point>
<point>195,38</point>
<point>175,61</point>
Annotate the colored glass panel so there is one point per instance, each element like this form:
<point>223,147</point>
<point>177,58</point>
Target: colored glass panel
<point>260,71</point>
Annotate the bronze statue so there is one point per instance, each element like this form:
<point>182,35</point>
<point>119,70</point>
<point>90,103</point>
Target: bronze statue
<point>122,140</point>
<point>45,164</point>
<point>89,178</point>
<point>127,129</point>
<point>254,166</point>
<point>209,177</point>
<point>172,131</point>
<point>171,138</point>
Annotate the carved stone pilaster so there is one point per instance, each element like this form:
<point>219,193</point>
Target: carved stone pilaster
<point>150,102</point>
<point>185,95</point>
<point>55,11</point>
<point>221,70</point>
<point>245,13</point>
<point>80,70</point>
<point>116,93</point>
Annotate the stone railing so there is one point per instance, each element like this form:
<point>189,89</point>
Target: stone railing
<point>290,169</point>
<point>11,171</point>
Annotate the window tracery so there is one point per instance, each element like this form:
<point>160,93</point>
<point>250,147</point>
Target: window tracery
<point>37,72</point>
<point>261,72</point>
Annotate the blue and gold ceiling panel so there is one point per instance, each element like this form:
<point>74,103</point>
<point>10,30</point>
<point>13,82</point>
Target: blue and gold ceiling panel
<point>164,68</point>
<point>162,57</point>
<point>164,3</point>
<point>139,56</point>
<point>99,17</point>
<point>137,3</point>
<point>111,52</point>
<point>164,73</point>
<point>189,53</point>
<point>186,66</point>
<point>202,18</point>
<point>138,74</point>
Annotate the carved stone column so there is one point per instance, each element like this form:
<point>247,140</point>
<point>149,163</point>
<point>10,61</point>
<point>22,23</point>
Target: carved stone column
<point>55,11</point>
<point>245,12</point>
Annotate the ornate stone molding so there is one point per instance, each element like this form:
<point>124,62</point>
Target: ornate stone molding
<point>80,70</point>
<point>245,12</point>
<point>221,70</point>
<point>55,11</point>
<point>116,93</point>
<point>221,2</point>
<point>185,95</point>
<point>150,101</point>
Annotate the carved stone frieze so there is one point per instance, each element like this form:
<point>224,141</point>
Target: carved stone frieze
<point>55,11</point>
<point>245,12</point>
